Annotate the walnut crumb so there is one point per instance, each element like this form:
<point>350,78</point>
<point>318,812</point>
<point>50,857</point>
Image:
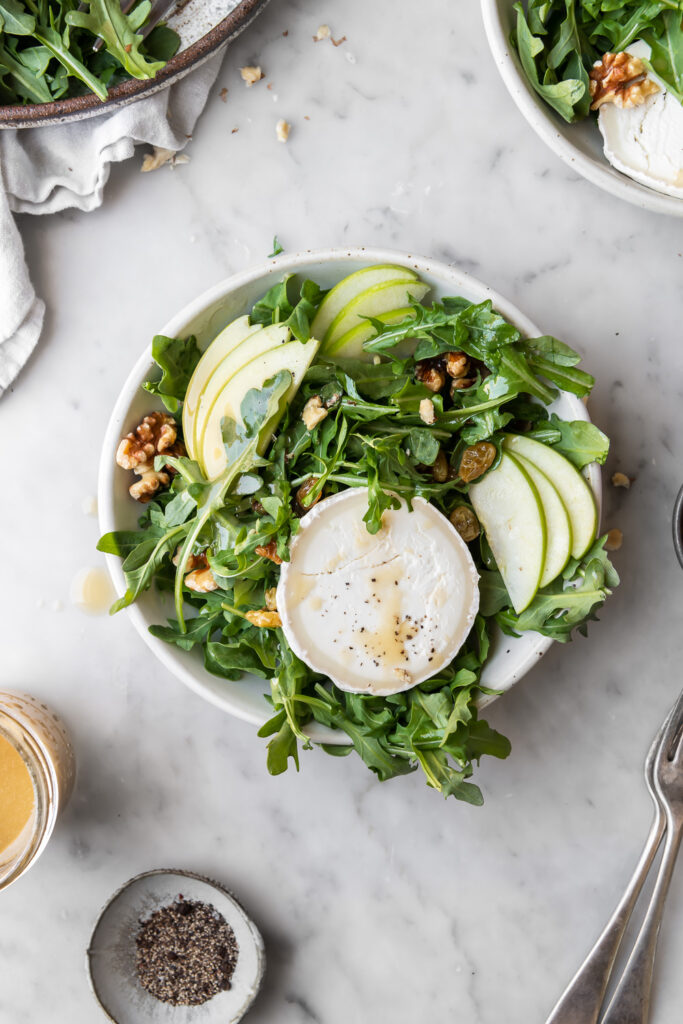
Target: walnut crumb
<point>313,412</point>
<point>621,79</point>
<point>427,411</point>
<point>160,156</point>
<point>202,581</point>
<point>615,539</point>
<point>264,619</point>
<point>323,32</point>
<point>251,74</point>
<point>621,480</point>
<point>224,95</point>
<point>282,129</point>
<point>269,551</point>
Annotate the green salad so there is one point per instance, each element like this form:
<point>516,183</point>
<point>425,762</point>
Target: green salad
<point>559,41</point>
<point>363,386</point>
<point>46,48</point>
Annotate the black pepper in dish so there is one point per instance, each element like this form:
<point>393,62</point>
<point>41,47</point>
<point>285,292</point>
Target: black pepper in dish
<point>186,953</point>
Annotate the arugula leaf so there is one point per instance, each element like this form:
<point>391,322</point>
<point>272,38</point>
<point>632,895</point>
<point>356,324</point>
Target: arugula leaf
<point>118,31</point>
<point>581,442</point>
<point>277,248</point>
<point>177,360</point>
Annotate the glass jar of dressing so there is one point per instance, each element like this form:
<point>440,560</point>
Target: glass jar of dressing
<point>37,771</point>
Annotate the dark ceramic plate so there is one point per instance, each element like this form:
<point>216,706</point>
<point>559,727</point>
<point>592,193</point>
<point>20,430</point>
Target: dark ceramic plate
<point>203,27</point>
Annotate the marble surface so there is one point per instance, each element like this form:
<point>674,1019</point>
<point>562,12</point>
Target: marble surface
<point>376,902</point>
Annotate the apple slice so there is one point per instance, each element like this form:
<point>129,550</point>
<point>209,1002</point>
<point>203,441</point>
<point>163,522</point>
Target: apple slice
<point>375,301</point>
<point>224,343</point>
<point>350,286</point>
<point>295,356</point>
<point>350,345</point>
<point>509,509</point>
<point>558,527</point>
<point>575,494</point>
<point>259,340</point>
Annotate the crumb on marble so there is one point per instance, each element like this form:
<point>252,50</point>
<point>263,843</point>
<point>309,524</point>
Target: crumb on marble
<point>251,74</point>
<point>322,33</point>
<point>338,42</point>
<point>621,480</point>
<point>224,94</point>
<point>160,156</point>
<point>282,130</point>
<point>615,539</point>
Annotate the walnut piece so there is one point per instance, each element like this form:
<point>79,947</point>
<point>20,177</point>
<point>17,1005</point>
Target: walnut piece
<point>155,435</point>
<point>427,411</point>
<point>457,364</point>
<point>621,79</point>
<point>314,412</point>
<point>430,372</point>
<point>264,619</point>
<point>269,551</point>
<point>201,581</point>
<point>460,383</point>
<point>251,74</point>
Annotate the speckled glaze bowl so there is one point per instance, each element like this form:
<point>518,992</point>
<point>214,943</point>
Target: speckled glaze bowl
<point>203,26</point>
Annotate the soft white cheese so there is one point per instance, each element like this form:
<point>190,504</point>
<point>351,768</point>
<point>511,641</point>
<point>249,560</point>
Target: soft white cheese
<point>646,142</point>
<point>377,613</point>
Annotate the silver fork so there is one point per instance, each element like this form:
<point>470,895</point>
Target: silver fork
<point>631,1001</point>
<point>582,999</point>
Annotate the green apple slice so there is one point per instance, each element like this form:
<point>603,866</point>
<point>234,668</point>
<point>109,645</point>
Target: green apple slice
<point>350,286</point>
<point>381,298</point>
<point>509,508</point>
<point>295,356</point>
<point>558,527</point>
<point>574,492</point>
<point>256,343</point>
<point>350,345</point>
<point>224,343</point>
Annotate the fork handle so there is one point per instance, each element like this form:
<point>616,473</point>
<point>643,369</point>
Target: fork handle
<point>630,1003</point>
<point>581,1001</point>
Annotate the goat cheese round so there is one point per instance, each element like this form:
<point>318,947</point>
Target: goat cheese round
<point>377,613</point>
<point>646,142</point>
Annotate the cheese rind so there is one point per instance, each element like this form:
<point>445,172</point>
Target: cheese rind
<point>377,613</point>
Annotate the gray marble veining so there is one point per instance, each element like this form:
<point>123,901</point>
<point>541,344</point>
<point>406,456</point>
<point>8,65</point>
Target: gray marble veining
<point>376,902</point>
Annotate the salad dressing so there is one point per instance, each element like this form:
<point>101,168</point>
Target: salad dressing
<point>17,798</point>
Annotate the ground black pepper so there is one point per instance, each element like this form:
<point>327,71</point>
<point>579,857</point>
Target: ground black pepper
<point>186,953</point>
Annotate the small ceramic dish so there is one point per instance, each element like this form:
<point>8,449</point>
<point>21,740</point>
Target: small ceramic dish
<point>203,26</point>
<point>511,657</point>
<point>110,959</point>
<point>578,145</point>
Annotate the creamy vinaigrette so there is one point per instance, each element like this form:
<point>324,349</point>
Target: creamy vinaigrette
<point>17,798</point>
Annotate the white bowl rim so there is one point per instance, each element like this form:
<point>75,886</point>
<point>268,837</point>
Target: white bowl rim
<point>599,173</point>
<point>167,653</point>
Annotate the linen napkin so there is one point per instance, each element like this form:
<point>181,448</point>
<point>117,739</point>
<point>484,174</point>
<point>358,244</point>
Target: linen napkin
<point>45,170</point>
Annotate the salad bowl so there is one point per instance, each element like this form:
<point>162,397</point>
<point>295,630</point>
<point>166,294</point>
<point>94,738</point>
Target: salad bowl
<point>511,657</point>
<point>578,145</point>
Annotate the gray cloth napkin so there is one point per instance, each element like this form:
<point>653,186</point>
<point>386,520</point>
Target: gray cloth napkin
<point>44,170</point>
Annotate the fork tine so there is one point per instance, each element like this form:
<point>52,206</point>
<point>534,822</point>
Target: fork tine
<point>670,742</point>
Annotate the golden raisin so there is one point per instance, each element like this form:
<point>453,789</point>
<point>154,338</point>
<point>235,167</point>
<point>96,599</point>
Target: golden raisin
<point>307,486</point>
<point>465,522</point>
<point>476,460</point>
<point>440,468</point>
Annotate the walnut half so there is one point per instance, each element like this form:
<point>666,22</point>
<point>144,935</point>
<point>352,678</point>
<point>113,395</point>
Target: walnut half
<point>621,79</point>
<point>156,434</point>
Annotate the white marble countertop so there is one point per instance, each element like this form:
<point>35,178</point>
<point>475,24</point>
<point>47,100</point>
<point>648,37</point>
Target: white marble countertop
<point>377,902</point>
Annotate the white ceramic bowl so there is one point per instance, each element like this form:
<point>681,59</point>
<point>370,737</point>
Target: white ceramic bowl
<point>205,317</point>
<point>578,145</point>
